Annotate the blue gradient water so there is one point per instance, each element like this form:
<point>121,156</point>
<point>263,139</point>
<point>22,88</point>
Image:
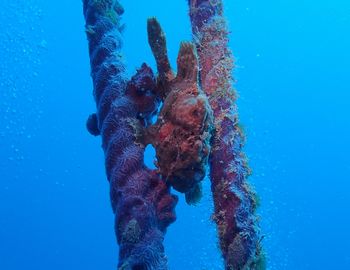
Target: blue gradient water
<point>293,78</point>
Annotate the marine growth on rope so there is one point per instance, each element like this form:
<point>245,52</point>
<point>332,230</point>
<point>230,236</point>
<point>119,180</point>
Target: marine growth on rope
<point>196,127</point>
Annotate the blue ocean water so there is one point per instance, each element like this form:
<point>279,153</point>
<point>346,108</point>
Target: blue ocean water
<point>293,78</point>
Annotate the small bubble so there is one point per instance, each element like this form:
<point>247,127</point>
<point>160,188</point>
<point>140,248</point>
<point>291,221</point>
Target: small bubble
<point>43,44</point>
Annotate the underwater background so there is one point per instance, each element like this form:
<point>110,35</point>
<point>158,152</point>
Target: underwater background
<point>293,79</point>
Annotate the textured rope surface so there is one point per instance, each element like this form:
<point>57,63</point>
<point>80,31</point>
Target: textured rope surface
<point>234,201</point>
<point>141,201</point>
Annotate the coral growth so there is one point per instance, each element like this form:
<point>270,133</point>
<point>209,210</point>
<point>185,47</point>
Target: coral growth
<point>234,201</point>
<point>197,123</point>
<point>141,201</point>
